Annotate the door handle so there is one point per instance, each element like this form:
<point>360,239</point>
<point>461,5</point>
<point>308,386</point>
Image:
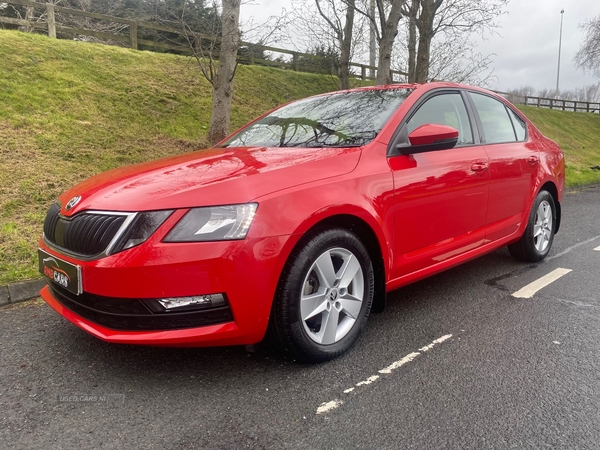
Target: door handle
<point>533,160</point>
<point>479,167</point>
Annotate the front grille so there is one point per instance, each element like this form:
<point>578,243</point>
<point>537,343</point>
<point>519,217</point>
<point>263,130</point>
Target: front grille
<point>133,314</point>
<point>86,234</point>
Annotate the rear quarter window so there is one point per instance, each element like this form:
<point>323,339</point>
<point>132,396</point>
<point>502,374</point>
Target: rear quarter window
<point>519,125</point>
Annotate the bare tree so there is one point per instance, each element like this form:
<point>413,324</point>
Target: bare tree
<point>453,18</point>
<point>548,93</point>
<point>568,95</point>
<point>110,8</point>
<point>589,93</point>
<point>223,79</point>
<point>456,60</point>
<point>342,31</point>
<point>27,13</point>
<point>386,33</point>
<point>266,32</point>
<point>412,38</point>
<point>520,95</point>
<point>215,49</point>
<point>330,25</point>
<point>425,24</point>
<point>385,24</point>
<point>588,56</point>
<point>115,8</point>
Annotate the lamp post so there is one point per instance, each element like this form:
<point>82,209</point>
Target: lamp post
<point>562,12</point>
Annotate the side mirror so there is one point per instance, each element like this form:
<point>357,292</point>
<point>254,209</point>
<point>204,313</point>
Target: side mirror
<point>429,137</point>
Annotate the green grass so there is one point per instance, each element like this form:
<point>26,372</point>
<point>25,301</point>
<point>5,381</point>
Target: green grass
<point>69,110</point>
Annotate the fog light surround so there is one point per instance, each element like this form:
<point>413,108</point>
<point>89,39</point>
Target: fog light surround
<point>196,302</point>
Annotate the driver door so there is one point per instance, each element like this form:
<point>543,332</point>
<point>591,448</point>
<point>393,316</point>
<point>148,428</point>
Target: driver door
<point>440,197</point>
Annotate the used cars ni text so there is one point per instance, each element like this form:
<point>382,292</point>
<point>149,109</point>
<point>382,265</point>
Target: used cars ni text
<point>300,222</point>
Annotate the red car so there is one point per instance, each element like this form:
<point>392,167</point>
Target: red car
<point>300,222</point>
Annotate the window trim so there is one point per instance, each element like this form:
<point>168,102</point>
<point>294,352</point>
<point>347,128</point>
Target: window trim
<point>401,134</point>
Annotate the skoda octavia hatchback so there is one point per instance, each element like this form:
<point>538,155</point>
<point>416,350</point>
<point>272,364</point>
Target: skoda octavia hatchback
<point>300,222</point>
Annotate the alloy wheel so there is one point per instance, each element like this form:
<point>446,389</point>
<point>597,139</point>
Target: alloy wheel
<point>542,229</point>
<point>332,296</point>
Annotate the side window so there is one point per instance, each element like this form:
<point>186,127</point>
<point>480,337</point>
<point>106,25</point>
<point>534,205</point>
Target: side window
<point>519,124</point>
<point>444,109</point>
<point>497,126</point>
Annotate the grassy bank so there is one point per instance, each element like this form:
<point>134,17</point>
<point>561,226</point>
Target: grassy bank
<point>578,134</point>
<point>70,109</point>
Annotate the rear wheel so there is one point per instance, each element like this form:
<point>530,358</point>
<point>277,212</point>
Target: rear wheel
<point>324,296</point>
<point>537,240</point>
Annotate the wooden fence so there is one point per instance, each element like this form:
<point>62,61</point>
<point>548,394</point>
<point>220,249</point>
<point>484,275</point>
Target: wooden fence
<point>551,103</point>
<point>131,38</point>
<point>565,105</point>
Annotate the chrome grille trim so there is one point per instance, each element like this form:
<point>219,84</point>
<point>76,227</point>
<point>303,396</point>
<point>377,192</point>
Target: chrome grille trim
<point>52,221</point>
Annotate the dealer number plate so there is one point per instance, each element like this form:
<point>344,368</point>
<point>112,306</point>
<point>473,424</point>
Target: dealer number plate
<point>62,273</point>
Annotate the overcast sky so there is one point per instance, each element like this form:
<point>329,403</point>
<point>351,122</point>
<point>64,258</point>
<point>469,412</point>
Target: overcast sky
<point>526,49</point>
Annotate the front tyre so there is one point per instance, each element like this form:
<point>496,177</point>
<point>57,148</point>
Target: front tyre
<point>537,240</point>
<point>324,296</point>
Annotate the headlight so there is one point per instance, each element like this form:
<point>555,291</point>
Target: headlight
<point>214,223</point>
<point>142,227</point>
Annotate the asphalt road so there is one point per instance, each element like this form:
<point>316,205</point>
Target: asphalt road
<point>470,366</point>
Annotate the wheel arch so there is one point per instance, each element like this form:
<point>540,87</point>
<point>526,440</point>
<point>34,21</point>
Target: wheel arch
<point>550,187</point>
<point>369,238</point>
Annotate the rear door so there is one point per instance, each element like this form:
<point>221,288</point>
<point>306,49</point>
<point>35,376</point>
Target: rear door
<point>513,160</point>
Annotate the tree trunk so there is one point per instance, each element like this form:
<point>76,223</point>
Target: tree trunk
<point>425,24</point>
<point>223,82</point>
<point>412,40</point>
<point>372,39</point>
<point>346,47</point>
<point>423,56</point>
<point>389,30</point>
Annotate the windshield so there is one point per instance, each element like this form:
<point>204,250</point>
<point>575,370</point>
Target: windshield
<point>343,119</point>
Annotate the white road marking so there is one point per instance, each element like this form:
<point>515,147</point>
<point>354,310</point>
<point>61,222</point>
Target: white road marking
<point>434,343</point>
<point>530,290</point>
<point>597,249</point>
<point>408,358</point>
<point>368,381</point>
<point>326,407</point>
<point>571,248</point>
<point>329,406</point>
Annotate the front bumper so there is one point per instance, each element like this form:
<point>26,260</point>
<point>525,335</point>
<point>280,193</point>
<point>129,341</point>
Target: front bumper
<point>115,288</point>
<point>213,335</point>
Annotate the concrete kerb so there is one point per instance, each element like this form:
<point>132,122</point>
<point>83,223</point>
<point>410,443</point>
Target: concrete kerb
<point>21,291</point>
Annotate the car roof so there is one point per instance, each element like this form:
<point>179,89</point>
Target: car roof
<point>423,87</point>
<point>414,86</point>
